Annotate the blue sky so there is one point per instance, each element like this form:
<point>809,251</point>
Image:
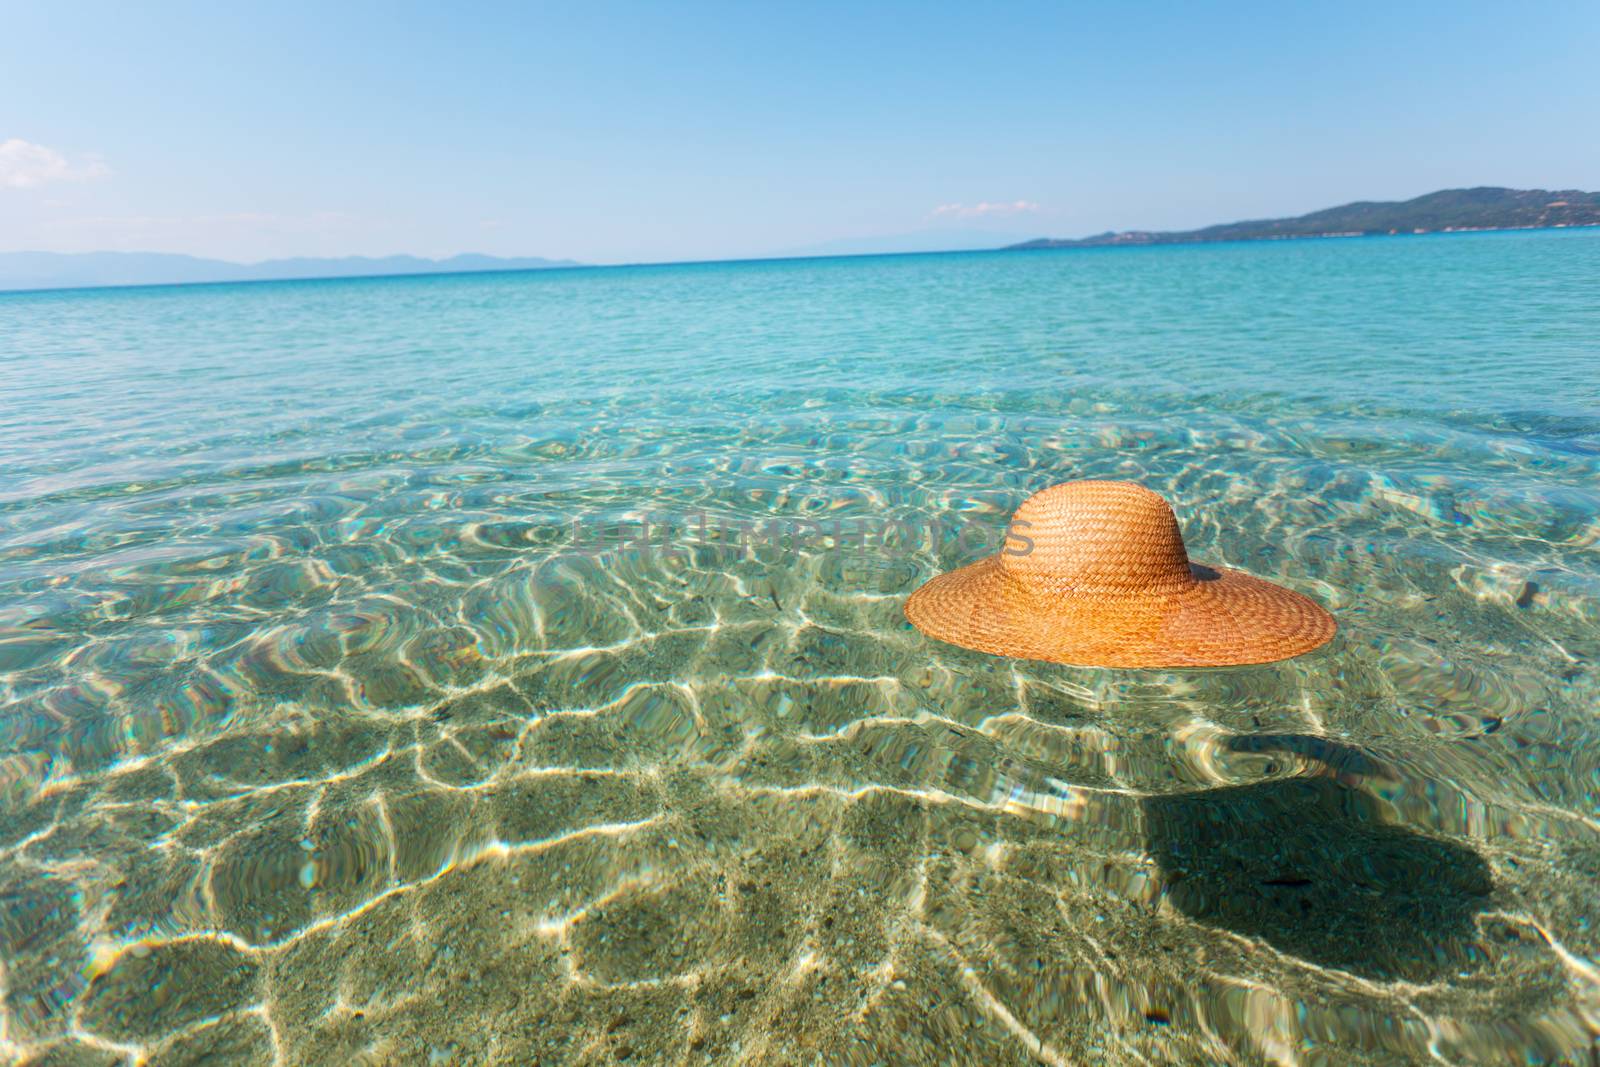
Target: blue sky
<point>637,132</point>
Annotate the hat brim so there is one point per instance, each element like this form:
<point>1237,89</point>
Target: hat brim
<point>1226,618</point>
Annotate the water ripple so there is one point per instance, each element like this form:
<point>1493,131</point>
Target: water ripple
<point>512,669</point>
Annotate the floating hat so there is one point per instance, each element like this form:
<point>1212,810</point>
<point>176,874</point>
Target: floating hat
<point>1095,574</point>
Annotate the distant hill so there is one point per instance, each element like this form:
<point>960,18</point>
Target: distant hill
<point>57,270</point>
<point>1447,211</point>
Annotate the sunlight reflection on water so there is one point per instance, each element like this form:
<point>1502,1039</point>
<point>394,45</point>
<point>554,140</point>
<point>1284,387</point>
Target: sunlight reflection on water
<point>347,702</point>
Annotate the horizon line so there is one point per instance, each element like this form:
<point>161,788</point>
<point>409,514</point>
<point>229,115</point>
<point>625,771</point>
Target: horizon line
<point>562,267</point>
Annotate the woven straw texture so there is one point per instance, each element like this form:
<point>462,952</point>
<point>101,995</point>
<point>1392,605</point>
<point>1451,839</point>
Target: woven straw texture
<point>1095,574</point>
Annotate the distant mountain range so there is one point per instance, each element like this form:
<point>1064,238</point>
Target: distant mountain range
<point>1447,211</point>
<point>59,270</point>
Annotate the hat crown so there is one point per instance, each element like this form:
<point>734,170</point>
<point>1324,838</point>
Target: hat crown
<point>1096,537</point>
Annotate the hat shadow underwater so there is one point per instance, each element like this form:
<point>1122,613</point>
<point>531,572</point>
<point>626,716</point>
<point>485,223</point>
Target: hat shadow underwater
<point>1311,867</point>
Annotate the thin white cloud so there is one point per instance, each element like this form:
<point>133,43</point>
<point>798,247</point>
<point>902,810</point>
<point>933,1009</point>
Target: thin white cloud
<point>985,209</point>
<point>25,165</point>
<point>240,235</point>
<point>237,221</point>
<point>236,235</point>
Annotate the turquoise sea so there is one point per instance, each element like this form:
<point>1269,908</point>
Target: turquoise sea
<point>511,669</point>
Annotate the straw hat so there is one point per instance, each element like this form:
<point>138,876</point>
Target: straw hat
<point>1095,574</point>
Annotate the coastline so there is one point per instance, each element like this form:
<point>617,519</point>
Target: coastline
<point>1137,239</point>
<point>583,267</point>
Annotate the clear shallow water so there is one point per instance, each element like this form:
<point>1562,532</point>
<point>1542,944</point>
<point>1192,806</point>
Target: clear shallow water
<point>351,716</point>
